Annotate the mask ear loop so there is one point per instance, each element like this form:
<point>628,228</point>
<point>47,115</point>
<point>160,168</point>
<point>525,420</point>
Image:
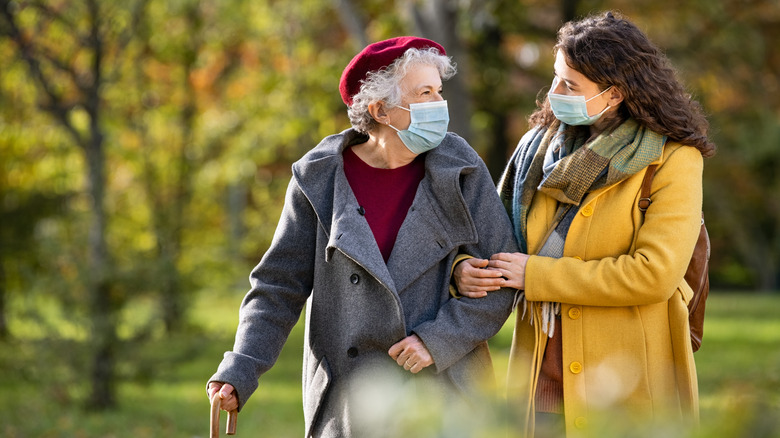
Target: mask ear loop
<point>608,105</point>
<point>605,90</point>
<point>405,109</point>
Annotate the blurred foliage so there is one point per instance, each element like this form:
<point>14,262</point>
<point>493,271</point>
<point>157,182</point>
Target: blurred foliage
<point>204,105</point>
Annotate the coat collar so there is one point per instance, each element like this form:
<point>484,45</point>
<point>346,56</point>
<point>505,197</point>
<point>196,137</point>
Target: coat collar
<point>438,220</point>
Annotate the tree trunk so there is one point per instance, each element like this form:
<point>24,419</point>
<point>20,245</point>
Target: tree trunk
<point>4,333</point>
<point>769,276</point>
<point>171,237</point>
<point>569,10</point>
<point>494,68</point>
<point>104,304</point>
<point>437,20</point>
<point>353,22</point>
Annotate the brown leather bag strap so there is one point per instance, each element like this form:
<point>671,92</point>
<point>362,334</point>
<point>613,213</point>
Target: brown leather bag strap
<point>644,193</point>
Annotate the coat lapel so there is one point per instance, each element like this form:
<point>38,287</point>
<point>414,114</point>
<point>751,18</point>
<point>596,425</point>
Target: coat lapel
<point>320,175</point>
<point>351,234</point>
<point>438,221</point>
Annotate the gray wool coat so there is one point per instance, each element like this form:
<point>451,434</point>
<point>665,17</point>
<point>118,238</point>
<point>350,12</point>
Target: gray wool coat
<point>324,257</point>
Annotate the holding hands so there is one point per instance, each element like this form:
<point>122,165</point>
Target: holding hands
<point>474,278</point>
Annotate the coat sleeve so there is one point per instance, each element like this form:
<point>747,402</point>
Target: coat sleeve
<point>664,244</point>
<point>280,285</point>
<point>461,324</point>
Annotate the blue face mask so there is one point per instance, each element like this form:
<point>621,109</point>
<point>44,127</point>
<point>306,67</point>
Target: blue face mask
<point>428,126</point>
<point>573,110</point>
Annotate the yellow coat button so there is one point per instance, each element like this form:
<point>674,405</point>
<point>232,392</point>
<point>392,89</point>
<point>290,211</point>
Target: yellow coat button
<point>587,210</point>
<point>575,367</point>
<point>574,313</point>
<point>577,258</point>
<point>580,422</point>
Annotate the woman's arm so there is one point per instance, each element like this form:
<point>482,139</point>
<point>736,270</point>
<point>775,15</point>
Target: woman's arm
<point>280,285</point>
<point>663,248</point>
<point>461,324</point>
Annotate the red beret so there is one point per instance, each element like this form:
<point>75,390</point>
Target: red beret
<point>374,57</point>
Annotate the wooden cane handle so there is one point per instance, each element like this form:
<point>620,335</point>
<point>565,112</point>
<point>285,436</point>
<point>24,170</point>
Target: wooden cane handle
<point>232,417</point>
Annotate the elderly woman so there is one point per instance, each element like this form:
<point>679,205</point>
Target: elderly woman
<point>372,221</point>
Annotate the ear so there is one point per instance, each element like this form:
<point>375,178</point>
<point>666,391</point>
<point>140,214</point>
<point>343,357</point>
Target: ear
<point>615,96</point>
<point>378,111</point>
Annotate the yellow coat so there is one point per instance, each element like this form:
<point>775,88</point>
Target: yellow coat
<point>627,355</point>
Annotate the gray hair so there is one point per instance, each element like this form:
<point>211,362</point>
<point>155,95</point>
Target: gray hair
<point>385,84</point>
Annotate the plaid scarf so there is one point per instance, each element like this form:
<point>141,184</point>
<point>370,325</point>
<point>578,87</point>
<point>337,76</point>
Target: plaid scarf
<point>567,169</point>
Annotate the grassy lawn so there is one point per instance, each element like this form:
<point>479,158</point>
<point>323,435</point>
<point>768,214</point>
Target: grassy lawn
<point>163,394</point>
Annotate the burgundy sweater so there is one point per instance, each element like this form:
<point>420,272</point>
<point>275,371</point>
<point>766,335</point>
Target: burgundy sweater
<point>384,195</point>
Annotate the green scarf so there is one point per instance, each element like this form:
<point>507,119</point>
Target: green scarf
<point>573,169</point>
<point>607,160</point>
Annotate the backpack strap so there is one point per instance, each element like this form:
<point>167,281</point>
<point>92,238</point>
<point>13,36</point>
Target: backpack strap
<point>644,193</point>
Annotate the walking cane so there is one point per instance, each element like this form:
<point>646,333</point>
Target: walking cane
<point>216,405</point>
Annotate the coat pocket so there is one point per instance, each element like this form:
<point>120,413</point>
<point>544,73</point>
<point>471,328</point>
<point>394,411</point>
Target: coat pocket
<point>315,394</point>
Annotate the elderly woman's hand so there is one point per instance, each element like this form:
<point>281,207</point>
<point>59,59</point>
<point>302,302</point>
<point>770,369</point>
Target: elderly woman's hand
<point>511,266</point>
<point>227,392</point>
<point>411,354</point>
<point>473,281</point>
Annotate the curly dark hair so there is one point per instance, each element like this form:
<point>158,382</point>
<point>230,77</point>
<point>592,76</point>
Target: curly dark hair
<point>610,50</point>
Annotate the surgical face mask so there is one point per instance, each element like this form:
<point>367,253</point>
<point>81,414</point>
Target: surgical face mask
<point>573,110</point>
<point>428,126</point>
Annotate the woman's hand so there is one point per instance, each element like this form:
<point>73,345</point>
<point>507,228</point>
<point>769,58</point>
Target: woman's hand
<point>473,281</point>
<point>511,266</point>
<point>227,392</point>
<point>411,354</point>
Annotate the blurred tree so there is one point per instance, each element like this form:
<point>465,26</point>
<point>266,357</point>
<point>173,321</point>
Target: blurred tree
<point>166,159</point>
<point>66,49</point>
<point>438,20</point>
<point>737,73</point>
<point>37,189</point>
<point>22,213</point>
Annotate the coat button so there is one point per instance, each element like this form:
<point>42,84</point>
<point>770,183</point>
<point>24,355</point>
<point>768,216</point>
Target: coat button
<point>354,278</point>
<point>587,210</point>
<point>361,211</point>
<point>580,422</point>
<point>574,313</point>
<point>575,367</point>
<point>352,352</point>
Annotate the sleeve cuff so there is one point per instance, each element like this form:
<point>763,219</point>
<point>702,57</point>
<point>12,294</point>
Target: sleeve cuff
<point>459,258</point>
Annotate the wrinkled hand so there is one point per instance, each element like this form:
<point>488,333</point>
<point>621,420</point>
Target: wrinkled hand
<point>511,266</point>
<point>227,392</point>
<point>411,354</point>
<point>473,281</point>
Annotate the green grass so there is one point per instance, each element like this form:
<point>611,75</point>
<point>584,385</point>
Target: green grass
<point>163,391</point>
<point>739,366</point>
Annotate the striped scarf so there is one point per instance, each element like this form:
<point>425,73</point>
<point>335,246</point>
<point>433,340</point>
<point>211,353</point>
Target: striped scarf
<point>566,169</point>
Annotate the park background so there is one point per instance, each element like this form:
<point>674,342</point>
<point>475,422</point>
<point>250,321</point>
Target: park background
<point>145,147</point>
